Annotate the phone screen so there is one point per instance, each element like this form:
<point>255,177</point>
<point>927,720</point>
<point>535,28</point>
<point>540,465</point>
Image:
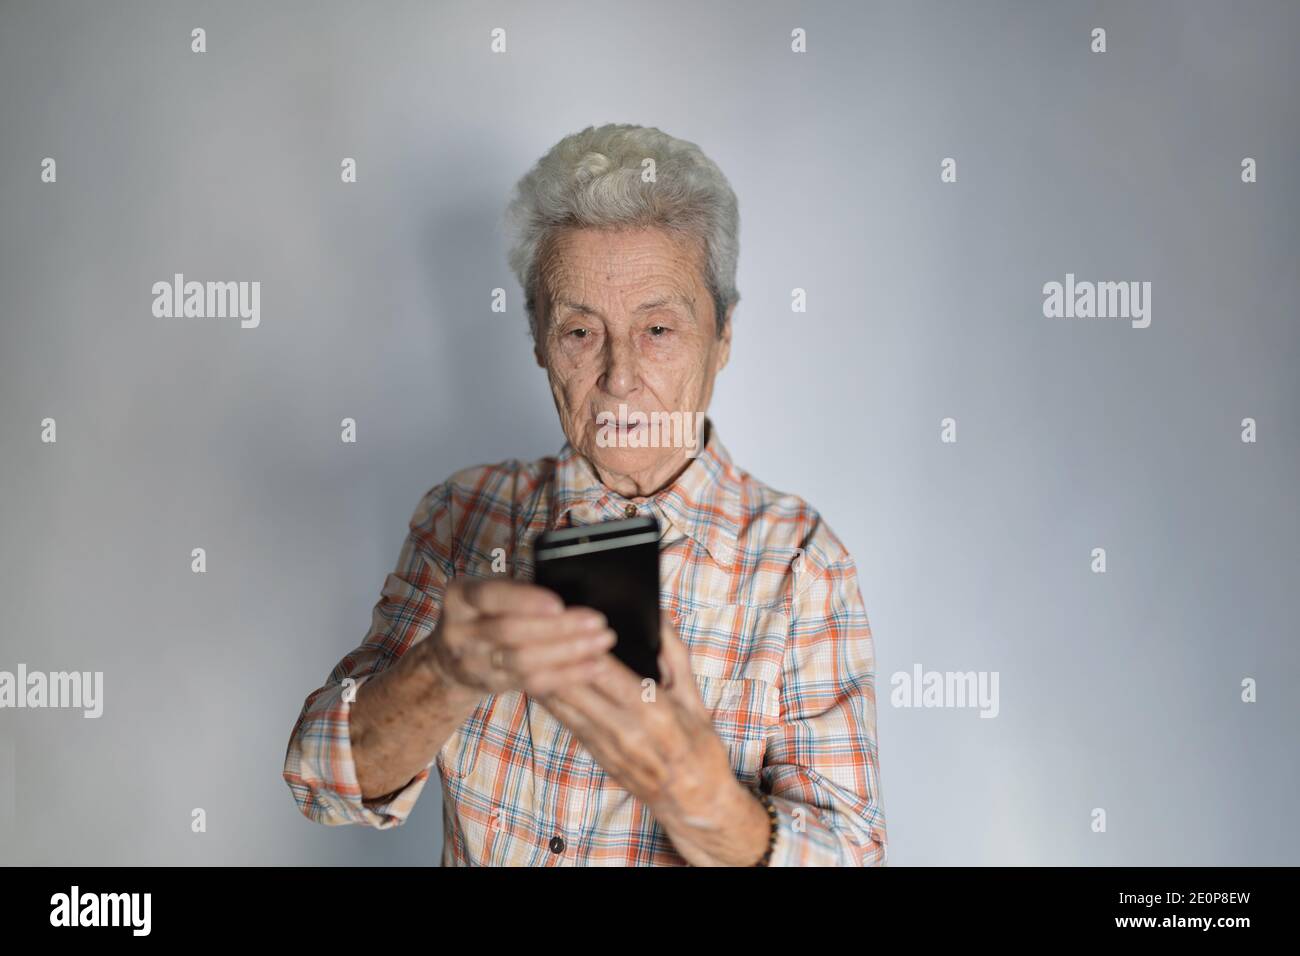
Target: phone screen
<point>614,568</point>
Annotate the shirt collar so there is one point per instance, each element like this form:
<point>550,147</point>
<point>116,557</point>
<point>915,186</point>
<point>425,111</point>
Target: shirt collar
<point>703,503</point>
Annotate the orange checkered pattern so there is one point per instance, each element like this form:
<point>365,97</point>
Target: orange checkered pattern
<point>765,597</point>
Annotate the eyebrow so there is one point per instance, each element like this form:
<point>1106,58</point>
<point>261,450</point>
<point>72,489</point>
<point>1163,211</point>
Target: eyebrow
<point>651,305</point>
<point>575,306</point>
<point>664,300</point>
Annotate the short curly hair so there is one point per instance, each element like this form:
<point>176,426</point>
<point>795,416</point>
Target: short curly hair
<point>596,178</point>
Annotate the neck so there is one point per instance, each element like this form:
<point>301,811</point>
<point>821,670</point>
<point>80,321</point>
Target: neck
<point>643,485</point>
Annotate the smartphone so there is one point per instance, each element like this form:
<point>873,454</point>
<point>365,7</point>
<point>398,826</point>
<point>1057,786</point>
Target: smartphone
<point>614,568</point>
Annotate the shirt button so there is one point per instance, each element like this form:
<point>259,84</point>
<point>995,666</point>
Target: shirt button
<point>557,844</point>
<point>630,511</point>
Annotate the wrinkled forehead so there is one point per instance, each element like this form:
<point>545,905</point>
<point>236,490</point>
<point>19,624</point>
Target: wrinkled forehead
<point>572,259</point>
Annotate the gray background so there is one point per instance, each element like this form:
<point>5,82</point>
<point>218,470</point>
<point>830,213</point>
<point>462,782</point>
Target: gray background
<point>1118,691</point>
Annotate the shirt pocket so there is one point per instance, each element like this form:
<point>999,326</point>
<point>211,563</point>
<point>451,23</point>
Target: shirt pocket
<point>733,642</point>
<point>742,718</point>
<point>736,652</point>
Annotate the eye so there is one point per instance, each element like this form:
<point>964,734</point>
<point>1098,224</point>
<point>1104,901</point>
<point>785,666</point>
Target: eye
<point>659,330</point>
<point>579,333</point>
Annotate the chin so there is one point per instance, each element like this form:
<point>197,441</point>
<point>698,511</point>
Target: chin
<point>629,461</point>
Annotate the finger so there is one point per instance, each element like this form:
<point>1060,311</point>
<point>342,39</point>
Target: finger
<point>568,715</point>
<point>620,686</point>
<point>509,666</point>
<point>545,683</point>
<point>675,665</point>
<point>505,651</point>
<point>517,631</point>
<point>488,598</point>
<point>532,658</point>
<point>674,658</point>
<point>597,717</point>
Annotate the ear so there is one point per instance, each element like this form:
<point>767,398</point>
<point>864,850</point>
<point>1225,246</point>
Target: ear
<point>538,352</point>
<point>724,343</point>
<point>539,320</point>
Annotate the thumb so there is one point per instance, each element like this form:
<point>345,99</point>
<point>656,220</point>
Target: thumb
<point>674,657</point>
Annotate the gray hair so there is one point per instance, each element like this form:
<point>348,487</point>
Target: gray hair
<point>594,178</point>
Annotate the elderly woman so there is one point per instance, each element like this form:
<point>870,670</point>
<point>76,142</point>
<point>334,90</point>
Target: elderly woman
<point>758,747</point>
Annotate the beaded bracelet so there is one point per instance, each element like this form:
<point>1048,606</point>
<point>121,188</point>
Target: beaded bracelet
<point>770,807</point>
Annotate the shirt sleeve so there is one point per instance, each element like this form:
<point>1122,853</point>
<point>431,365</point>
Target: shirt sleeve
<point>822,766</point>
<point>318,764</point>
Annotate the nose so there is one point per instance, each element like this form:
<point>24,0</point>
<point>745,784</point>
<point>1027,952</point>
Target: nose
<point>621,375</point>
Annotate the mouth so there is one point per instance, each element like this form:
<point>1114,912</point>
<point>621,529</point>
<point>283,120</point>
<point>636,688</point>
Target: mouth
<point>624,420</point>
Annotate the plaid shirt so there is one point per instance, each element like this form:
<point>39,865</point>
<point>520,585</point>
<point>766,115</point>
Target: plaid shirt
<point>764,596</point>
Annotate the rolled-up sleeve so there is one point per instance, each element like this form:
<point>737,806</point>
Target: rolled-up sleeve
<point>822,765</point>
<point>318,764</point>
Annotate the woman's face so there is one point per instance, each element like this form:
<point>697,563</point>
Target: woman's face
<point>627,320</point>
